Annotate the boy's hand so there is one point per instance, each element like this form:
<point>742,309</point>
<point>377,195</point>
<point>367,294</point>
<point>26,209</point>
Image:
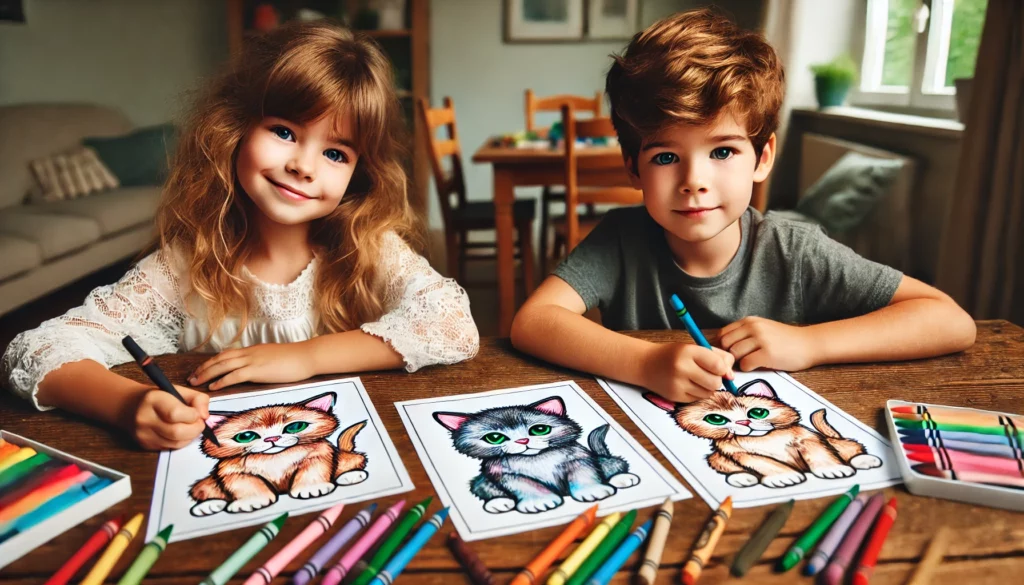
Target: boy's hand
<point>163,423</point>
<point>762,343</point>
<point>684,372</point>
<point>267,362</point>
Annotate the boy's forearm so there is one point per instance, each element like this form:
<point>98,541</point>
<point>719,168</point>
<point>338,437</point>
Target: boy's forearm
<point>91,390</point>
<point>911,329</point>
<point>352,351</point>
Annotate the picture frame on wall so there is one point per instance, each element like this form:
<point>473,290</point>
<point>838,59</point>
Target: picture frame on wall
<point>532,21</point>
<point>612,19</point>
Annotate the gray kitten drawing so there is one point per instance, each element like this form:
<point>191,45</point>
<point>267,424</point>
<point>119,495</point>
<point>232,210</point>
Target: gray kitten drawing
<point>530,460</point>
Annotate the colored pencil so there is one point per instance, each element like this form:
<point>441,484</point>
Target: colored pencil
<point>614,562</point>
<point>53,506</point>
<point>15,458</point>
<point>1002,431</point>
<point>7,449</point>
<point>328,550</point>
<point>41,479</point>
<point>953,460</point>
<point>815,531</point>
<point>958,436</point>
<point>576,558</point>
<point>98,540</point>
<point>21,469</point>
<point>759,541</point>
<point>992,449</point>
<point>828,545</point>
<point>349,559</point>
<point>319,526</point>
<point>41,495</point>
<point>706,542</point>
<point>387,548</point>
<point>603,550</point>
<point>147,558</point>
<point>875,542</point>
<point>397,564</point>
<point>114,550</point>
<point>555,548</point>
<point>932,558</point>
<point>970,476</point>
<point>246,552</point>
<point>837,565</point>
<point>698,336</point>
<point>469,561</point>
<point>955,415</point>
<point>158,377</point>
<point>652,557</point>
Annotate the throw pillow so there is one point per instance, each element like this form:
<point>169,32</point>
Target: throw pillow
<point>845,195</point>
<point>139,158</point>
<point>69,175</point>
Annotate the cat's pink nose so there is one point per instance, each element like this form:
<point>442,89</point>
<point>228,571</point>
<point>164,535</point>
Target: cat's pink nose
<point>745,423</point>
<point>273,439</point>
<point>522,441</point>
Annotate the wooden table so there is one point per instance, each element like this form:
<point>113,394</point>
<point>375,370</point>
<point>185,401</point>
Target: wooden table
<point>988,548</point>
<point>530,167</point>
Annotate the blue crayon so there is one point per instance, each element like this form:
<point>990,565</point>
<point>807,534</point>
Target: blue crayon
<point>957,436</point>
<point>695,333</point>
<point>397,564</point>
<point>613,563</point>
<point>56,505</point>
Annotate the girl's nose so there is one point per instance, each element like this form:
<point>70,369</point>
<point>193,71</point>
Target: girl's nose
<point>301,168</point>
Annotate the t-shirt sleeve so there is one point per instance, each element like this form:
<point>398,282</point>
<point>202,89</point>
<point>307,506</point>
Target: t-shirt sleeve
<point>594,268</point>
<point>837,282</point>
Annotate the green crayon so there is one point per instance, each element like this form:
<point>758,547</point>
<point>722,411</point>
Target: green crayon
<point>149,554</point>
<point>237,560</point>
<point>817,529</point>
<point>387,548</point>
<point>604,549</point>
<point>978,429</point>
<point>16,472</point>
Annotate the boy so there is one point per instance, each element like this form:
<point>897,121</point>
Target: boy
<point>695,103</point>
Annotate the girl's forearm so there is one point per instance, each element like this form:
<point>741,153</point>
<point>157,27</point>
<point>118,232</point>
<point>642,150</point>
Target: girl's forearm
<point>352,351</point>
<point>89,389</point>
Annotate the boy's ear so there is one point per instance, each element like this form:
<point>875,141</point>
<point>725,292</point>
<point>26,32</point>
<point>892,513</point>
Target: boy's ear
<point>632,169</point>
<point>767,160</point>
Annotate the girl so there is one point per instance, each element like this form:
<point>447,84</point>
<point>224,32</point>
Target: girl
<point>282,246</point>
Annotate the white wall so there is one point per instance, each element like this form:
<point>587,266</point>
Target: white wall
<point>137,55</point>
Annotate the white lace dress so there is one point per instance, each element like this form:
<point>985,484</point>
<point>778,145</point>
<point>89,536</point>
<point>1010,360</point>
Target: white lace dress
<point>427,319</point>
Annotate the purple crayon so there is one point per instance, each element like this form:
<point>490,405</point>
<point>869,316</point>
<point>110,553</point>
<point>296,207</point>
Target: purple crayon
<point>332,546</point>
<point>833,574</point>
<point>828,545</point>
<point>350,558</point>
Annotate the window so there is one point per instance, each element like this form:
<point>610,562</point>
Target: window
<point>914,49</point>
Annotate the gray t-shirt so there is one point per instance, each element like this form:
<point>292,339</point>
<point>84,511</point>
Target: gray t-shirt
<point>784,270</point>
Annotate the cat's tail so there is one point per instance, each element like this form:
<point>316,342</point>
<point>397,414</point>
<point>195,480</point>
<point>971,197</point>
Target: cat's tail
<point>822,426</point>
<point>596,441</point>
<point>347,439</point>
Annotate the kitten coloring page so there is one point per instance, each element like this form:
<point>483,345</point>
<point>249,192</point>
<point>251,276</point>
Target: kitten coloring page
<point>296,449</point>
<point>775,440</point>
<point>514,460</point>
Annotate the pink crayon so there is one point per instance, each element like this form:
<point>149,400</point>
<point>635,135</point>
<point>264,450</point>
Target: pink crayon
<point>970,476</point>
<point>350,558</point>
<point>953,460</point>
<point>265,574</point>
<point>833,574</point>
<point>834,537</point>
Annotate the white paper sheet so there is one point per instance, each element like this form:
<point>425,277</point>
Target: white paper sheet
<point>380,475</point>
<point>539,443</point>
<point>747,455</point>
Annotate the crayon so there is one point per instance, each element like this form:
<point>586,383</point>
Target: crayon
<point>970,476</point>
<point>41,495</point>
<point>247,551</point>
<point>607,570</point>
<point>16,457</point>
<point>828,545</point>
<point>958,436</point>
<point>758,543</point>
<point>695,333</point>
<point>319,526</point>
<point>114,551</point>
<point>852,541</point>
<point>387,548</point>
<point>7,449</point>
<point>652,556</point>
<point>555,548</point>
<point>40,479</point>
<point>54,506</point>
<point>336,573</point>
<point>1000,431</point>
<point>932,558</point>
<point>574,560</point>
<point>21,469</point>
<point>397,564</point>
<point>815,531</point>
<point>603,550</point>
<point>469,561</point>
<point>875,542</point>
<point>953,460</point>
<point>955,415</point>
<point>147,557</point>
<point>991,449</point>
<point>328,550</point>
<point>706,543</point>
<point>98,540</point>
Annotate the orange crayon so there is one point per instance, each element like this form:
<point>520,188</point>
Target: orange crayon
<point>956,416</point>
<point>7,449</point>
<point>552,551</point>
<point>706,542</point>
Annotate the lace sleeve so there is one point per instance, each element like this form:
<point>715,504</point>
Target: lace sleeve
<point>428,319</point>
<point>146,303</point>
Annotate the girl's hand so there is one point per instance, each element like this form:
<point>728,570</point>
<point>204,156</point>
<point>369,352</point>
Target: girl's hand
<point>684,372</point>
<point>267,362</point>
<point>762,343</point>
<point>162,422</point>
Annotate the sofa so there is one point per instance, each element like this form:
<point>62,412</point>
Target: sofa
<point>45,246</point>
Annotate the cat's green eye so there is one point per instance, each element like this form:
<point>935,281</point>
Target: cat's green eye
<point>246,437</point>
<point>296,427</point>
<point>715,419</point>
<point>540,430</point>
<point>495,438</point>
<point>757,412</point>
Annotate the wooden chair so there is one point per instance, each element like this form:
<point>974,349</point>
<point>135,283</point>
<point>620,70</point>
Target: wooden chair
<point>549,195</point>
<point>609,187</point>
<point>461,216</point>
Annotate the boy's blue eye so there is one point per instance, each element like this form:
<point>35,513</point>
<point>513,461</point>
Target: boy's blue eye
<point>282,133</point>
<point>664,158</point>
<point>721,153</point>
<point>335,155</point>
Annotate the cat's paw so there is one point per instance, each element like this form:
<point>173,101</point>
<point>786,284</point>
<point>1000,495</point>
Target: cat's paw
<point>352,477</point>
<point>208,507</point>
<point>741,479</point>
<point>499,505</point>
<point>542,503</point>
<point>314,490</point>
<point>592,492</point>
<point>782,480</point>
<point>833,472</point>
<point>865,461</point>
<point>623,480</point>
<point>250,504</point>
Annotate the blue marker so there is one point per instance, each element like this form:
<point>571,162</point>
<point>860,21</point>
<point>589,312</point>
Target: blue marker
<point>612,565</point>
<point>697,336</point>
<point>397,564</point>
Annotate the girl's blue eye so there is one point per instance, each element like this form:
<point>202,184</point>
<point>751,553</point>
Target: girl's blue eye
<point>282,133</point>
<point>334,155</point>
<point>665,158</point>
<point>721,153</point>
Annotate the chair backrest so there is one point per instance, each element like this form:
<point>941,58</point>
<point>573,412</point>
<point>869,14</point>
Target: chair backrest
<point>554,104</point>
<point>448,184</point>
<point>608,180</point>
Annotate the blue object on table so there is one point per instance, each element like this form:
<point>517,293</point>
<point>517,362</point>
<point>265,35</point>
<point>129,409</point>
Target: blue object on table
<point>394,568</point>
<point>613,563</point>
<point>697,336</point>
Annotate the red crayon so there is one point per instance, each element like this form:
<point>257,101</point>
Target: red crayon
<point>970,476</point>
<point>37,482</point>
<point>952,460</point>
<point>92,546</point>
<point>875,542</point>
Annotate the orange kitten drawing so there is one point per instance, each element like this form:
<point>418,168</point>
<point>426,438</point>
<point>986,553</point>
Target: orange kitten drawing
<point>757,439</point>
<point>270,451</point>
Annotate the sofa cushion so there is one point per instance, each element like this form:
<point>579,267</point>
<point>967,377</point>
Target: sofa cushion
<point>115,210</point>
<point>31,131</point>
<point>55,234</point>
<point>140,158</point>
<point>19,256</point>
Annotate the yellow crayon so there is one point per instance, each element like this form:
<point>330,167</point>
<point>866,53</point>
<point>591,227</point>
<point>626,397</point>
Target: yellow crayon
<point>114,551</point>
<point>573,561</point>
<point>17,457</point>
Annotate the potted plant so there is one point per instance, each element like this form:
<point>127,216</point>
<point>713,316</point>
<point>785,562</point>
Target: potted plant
<point>833,80</point>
